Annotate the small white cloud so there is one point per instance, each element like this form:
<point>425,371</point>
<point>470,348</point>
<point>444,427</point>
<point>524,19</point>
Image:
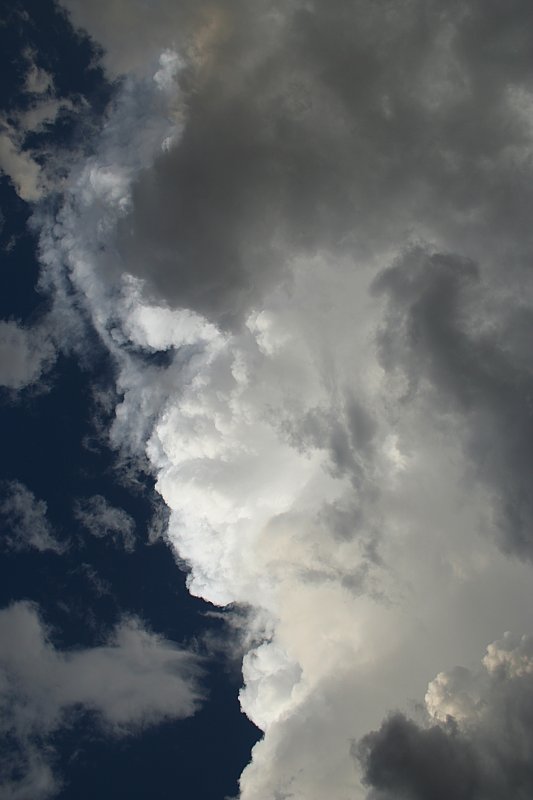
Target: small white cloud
<point>41,114</point>
<point>511,656</point>
<point>25,353</point>
<point>159,328</point>
<point>25,521</point>
<point>38,80</point>
<point>30,178</point>
<point>456,693</point>
<point>20,168</point>
<point>135,679</point>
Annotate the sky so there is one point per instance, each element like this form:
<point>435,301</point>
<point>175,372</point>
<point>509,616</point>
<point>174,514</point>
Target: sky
<point>266,387</point>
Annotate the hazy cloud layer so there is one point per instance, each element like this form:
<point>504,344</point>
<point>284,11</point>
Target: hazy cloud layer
<point>133,680</point>
<point>303,236</point>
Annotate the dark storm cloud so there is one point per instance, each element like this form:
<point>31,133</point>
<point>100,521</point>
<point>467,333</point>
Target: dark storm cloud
<point>402,760</point>
<point>483,373</point>
<point>334,126</point>
<point>487,756</point>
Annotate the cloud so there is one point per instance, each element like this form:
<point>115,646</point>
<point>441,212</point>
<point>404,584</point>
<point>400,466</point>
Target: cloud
<point>483,742</point>
<point>481,372</point>
<point>25,354</point>
<point>300,157</point>
<point>301,235</point>
<point>20,167</point>
<point>25,520</point>
<point>38,80</point>
<point>133,35</point>
<point>158,524</point>
<point>101,519</point>
<point>27,774</point>
<point>31,175</point>
<point>134,680</point>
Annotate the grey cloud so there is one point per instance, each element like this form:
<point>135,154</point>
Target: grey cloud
<point>158,524</point>
<point>20,167</point>
<point>345,432</point>
<point>25,522</point>
<point>361,425</point>
<point>433,334</point>
<point>484,752</point>
<point>335,127</point>
<point>402,760</point>
<point>102,519</point>
<point>39,107</point>
<point>133,33</point>
<point>25,354</point>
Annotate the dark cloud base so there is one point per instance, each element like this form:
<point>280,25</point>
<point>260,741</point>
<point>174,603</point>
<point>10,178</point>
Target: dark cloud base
<point>352,120</point>
<point>403,761</point>
<point>485,378</point>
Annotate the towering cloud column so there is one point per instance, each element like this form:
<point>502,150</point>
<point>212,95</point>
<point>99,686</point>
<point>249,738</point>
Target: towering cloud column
<point>303,236</point>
